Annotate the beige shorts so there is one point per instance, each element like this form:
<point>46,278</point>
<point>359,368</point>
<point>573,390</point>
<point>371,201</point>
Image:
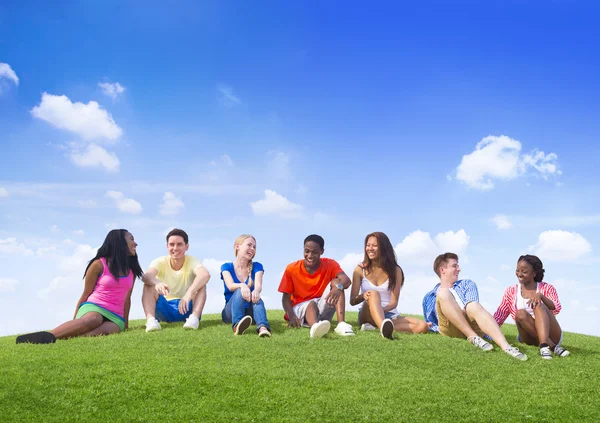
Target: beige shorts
<point>448,329</point>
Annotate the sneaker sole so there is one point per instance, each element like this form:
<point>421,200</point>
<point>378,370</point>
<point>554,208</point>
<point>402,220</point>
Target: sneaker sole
<point>36,338</point>
<point>320,329</point>
<point>264,335</point>
<point>155,329</point>
<point>243,325</point>
<point>387,329</point>
<point>341,333</point>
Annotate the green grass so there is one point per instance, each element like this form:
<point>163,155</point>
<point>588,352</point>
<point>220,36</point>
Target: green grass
<point>210,375</point>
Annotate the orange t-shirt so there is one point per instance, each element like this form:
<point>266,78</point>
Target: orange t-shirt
<point>302,285</point>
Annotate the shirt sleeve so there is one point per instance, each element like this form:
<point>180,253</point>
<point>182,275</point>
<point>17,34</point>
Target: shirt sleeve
<point>429,310</point>
<point>504,308</point>
<point>257,267</point>
<point>551,293</point>
<point>193,264</point>
<point>226,267</point>
<point>335,269</point>
<point>287,282</point>
<point>470,291</point>
<point>159,265</point>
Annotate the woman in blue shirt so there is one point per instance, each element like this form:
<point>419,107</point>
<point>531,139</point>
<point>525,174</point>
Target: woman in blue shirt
<point>242,299</point>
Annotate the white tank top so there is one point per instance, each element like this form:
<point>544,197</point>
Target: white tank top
<point>384,292</point>
<point>522,302</point>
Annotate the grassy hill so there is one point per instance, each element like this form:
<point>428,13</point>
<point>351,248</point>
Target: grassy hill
<point>211,376</point>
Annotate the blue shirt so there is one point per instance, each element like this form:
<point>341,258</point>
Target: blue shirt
<point>256,267</point>
<point>466,291</point>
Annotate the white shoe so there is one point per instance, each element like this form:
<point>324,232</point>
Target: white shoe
<point>191,322</point>
<point>319,329</point>
<point>152,325</point>
<point>344,329</point>
<point>514,352</point>
<point>481,343</point>
<point>367,326</point>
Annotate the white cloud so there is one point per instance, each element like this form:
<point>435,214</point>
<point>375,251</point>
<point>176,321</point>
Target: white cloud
<point>96,157</point>
<point>126,205</point>
<point>79,232</point>
<point>3,192</point>
<point>500,158</point>
<point>8,284</point>
<point>419,248</point>
<point>349,262</point>
<point>279,166</point>
<point>561,246</point>
<point>10,246</point>
<point>111,90</point>
<point>54,229</point>
<point>90,121</point>
<point>592,308</point>
<point>6,72</point>
<point>226,96</point>
<point>171,205</point>
<point>504,267</point>
<point>86,204</point>
<point>274,203</point>
<point>501,221</point>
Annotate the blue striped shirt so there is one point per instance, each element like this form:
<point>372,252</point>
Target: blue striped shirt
<point>466,291</point>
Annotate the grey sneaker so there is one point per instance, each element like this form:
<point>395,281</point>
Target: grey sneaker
<point>242,325</point>
<point>560,351</point>
<point>481,343</point>
<point>545,353</point>
<point>514,352</point>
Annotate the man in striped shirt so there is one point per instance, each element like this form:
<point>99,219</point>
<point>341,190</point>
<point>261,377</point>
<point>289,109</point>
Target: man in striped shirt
<point>452,308</point>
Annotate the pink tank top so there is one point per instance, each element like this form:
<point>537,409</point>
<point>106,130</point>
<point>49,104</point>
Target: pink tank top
<point>110,293</point>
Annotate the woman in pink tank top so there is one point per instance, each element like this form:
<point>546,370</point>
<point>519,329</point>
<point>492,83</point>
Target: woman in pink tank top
<point>377,282</point>
<point>103,307</point>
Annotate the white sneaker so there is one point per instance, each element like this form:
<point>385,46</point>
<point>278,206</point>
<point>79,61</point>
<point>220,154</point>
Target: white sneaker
<point>387,329</point>
<point>191,322</point>
<point>152,325</point>
<point>560,351</point>
<point>367,326</point>
<point>344,329</point>
<point>481,343</point>
<point>319,329</point>
<point>514,352</point>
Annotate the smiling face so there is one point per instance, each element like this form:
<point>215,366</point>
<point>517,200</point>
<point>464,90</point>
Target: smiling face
<point>312,255</point>
<point>450,271</point>
<point>525,273</point>
<point>372,248</point>
<point>176,246</point>
<point>246,249</point>
<point>131,244</point>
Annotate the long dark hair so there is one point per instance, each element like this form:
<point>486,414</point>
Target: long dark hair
<point>116,252</point>
<point>387,258</point>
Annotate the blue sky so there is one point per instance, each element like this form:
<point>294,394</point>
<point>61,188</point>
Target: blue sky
<point>460,126</point>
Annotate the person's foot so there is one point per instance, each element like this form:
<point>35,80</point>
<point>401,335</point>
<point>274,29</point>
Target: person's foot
<point>367,326</point>
<point>36,338</point>
<point>387,329</point>
<point>561,352</point>
<point>191,322</point>
<point>514,352</point>
<point>242,325</point>
<point>344,329</point>
<point>263,332</point>
<point>481,343</point>
<point>152,325</point>
<point>545,353</point>
<point>319,329</point>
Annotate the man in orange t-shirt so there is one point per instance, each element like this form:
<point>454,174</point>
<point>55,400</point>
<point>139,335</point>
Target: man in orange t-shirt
<point>313,289</point>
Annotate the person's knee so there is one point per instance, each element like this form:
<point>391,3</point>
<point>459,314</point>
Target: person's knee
<point>444,295</point>
<point>92,320</point>
<point>540,309</point>
<point>421,327</point>
<point>521,316</point>
<point>473,307</point>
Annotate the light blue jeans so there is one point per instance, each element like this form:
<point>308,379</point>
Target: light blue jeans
<point>237,307</point>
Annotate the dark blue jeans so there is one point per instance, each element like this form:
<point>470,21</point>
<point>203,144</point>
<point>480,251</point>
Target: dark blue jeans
<point>237,307</point>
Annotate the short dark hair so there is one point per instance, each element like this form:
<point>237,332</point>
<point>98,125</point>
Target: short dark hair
<point>178,232</point>
<point>442,259</point>
<point>318,239</point>
<point>536,264</point>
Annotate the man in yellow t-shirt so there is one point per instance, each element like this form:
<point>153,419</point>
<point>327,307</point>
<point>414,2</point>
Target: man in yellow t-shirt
<point>174,286</point>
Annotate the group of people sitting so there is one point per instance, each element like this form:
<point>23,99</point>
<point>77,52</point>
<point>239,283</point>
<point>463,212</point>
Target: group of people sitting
<point>313,291</point>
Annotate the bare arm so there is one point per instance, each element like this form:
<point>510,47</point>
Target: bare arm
<point>127,307</point>
<point>201,277</point>
<point>150,279</point>
<point>91,278</point>
<point>258,277</point>
<point>286,302</point>
<point>355,297</point>
<point>334,293</point>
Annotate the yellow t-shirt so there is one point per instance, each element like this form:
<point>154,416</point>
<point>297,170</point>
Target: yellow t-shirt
<point>178,280</point>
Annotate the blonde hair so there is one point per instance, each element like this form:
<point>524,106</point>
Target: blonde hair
<point>239,240</point>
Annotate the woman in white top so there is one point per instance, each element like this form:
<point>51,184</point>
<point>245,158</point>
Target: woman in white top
<point>379,279</point>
